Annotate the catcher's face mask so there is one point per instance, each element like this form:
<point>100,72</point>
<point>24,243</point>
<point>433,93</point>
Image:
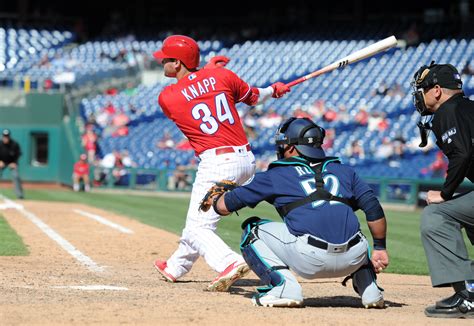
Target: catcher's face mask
<point>304,134</point>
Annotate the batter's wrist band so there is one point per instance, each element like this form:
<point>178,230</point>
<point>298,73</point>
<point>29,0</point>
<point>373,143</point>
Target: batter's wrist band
<point>380,244</point>
<point>265,94</point>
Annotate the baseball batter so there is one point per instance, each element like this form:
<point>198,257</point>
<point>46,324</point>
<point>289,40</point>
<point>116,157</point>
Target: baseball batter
<point>202,104</point>
<point>320,235</point>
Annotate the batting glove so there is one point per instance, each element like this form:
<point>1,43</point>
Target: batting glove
<point>279,89</point>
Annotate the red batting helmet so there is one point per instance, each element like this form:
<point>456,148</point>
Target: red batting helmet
<point>180,47</point>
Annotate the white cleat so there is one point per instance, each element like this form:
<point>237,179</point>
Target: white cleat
<point>380,304</point>
<point>272,301</point>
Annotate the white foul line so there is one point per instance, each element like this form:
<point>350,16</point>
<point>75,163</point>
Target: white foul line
<point>104,221</point>
<point>66,245</point>
<point>92,287</point>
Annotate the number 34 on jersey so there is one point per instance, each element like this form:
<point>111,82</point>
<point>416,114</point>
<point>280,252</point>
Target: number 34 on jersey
<point>209,123</point>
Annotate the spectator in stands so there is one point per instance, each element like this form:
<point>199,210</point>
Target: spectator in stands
<point>141,58</point>
<point>109,166</point>
<point>300,113</point>
<point>104,117</point>
<point>362,116</point>
<point>385,150</point>
<point>184,144</point>
<point>396,90</point>
<point>181,178</point>
<point>355,150</point>
<point>48,84</point>
<point>127,160</point>
<point>343,116</point>
<point>438,168</point>
<point>382,89</point>
<point>262,163</point>
<point>166,142</point>
<point>399,143</point>
<point>130,89</point>
<point>250,122</point>
<point>111,91</point>
<point>81,173</point>
<point>10,153</point>
<point>119,125</point>
<point>467,70</point>
<point>270,119</point>
<point>377,122</point>
<point>89,142</point>
<point>44,61</point>
<point>329,139</point>
<point>122,166</point>
<point>317,109</point>
<point>330,115</point>
<point>411,36</point>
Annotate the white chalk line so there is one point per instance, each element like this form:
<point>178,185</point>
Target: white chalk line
<point>53,235</point>
<point>92,287</point>
<point>104,221</point>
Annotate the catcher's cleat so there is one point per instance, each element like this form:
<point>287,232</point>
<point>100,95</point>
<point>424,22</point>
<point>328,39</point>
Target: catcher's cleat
<point>160,266</point>
<point>380,304</point>
<point>458,305</point>
<point>232,273</point>
<point>268,300</point>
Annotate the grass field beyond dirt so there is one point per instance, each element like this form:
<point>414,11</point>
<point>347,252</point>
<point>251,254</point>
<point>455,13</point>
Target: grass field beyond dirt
<point>10,242</point>
<point>403,242</point>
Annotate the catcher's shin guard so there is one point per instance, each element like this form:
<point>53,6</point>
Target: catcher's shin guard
<point>364,281</point>
<point>249,247</point>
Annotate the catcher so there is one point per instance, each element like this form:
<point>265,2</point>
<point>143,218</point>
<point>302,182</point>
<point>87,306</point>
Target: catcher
<point>320,236</point>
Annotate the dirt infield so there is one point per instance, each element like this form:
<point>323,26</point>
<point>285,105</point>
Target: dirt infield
<point>53,285</point>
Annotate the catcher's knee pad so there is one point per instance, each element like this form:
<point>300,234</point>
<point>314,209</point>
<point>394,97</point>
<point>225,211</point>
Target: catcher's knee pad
<point>268,274</point>
<point>251,222</point>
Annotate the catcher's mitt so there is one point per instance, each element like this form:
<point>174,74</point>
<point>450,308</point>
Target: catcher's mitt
<point>216,191</point>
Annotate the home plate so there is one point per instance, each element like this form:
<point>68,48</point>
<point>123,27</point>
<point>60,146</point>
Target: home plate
<point>92,287</point>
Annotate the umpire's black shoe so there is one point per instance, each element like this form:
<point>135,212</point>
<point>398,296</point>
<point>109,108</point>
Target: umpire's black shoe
<point>458,305</point>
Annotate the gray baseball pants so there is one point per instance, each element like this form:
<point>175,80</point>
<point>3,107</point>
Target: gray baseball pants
<point>445,249</point>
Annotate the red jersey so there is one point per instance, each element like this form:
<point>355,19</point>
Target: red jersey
<point>202,105</point>
<point>89,141</point>
<point>81,168</point>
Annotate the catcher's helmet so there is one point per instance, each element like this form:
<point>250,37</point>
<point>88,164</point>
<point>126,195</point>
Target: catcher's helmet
<point>179,47</point>
<point>304,134</point>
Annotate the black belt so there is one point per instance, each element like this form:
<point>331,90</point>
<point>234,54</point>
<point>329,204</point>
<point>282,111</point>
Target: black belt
<point>333,247</point>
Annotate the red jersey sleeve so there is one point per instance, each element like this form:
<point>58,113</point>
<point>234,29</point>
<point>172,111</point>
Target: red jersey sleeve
<point>241,90</point>
<point>161,103</point>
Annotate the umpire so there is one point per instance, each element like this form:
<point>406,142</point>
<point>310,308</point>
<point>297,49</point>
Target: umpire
<point>439,98</point>
<point>10,152</point>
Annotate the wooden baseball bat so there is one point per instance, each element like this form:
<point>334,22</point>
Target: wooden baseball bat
<point>361,54</point>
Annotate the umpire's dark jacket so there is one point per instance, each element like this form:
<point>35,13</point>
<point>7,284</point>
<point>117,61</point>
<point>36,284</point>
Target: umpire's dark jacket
<point>9,153</point>
<point>453,126</point>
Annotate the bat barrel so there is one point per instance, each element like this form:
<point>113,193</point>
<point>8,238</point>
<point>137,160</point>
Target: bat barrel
<point>366,52</point>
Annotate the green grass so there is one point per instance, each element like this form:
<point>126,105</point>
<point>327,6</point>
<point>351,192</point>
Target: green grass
<point>406,252</point>
<point>10,243</point>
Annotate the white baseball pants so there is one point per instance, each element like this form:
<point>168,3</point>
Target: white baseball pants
<point>199,236</point>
